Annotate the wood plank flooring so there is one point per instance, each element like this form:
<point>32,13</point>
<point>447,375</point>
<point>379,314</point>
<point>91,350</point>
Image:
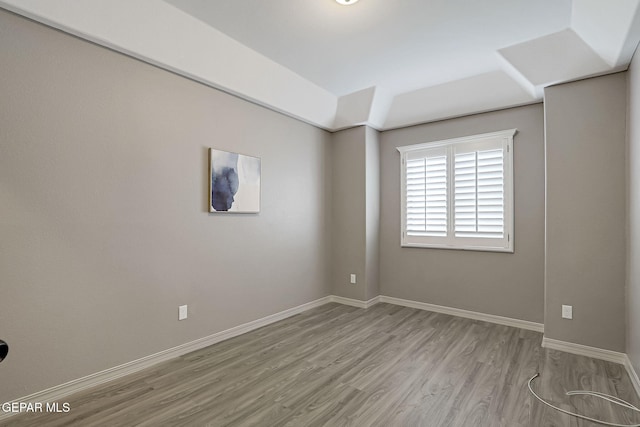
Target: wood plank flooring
<point>337,365</point>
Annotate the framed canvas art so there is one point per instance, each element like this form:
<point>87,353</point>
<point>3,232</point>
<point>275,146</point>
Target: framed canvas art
<point>234,181</point>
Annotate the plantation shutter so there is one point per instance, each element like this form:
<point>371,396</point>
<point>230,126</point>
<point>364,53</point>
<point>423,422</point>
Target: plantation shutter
<point>479,190</point>
<point>458,193</point>
<point>426,193</point>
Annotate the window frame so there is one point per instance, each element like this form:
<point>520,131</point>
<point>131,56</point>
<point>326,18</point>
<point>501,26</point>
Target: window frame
<point>506,244</point>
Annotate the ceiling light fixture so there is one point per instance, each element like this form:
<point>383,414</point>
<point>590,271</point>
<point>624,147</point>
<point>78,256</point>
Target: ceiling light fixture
<point>346,2</point>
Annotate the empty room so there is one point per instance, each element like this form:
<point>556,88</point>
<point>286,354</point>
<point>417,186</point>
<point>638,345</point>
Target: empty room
<point>319,213</point>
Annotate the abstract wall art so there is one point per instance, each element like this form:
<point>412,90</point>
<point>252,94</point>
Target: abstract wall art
<point>234,182</point>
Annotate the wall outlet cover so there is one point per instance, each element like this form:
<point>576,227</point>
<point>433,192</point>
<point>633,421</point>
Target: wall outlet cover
<point>567,312</point>
<point>182,312</point>
<point>353,278</point>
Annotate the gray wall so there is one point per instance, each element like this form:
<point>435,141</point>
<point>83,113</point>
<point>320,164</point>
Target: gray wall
<point>586,218</point>
<point>349,239</point>
<point>372,191</point>
<point>633,215</point>
<point>502,284</point>
<point>356,212</point>
<point>104,228</point>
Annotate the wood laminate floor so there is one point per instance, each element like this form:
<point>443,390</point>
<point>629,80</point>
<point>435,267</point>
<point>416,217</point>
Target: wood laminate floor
<point>337,365</point>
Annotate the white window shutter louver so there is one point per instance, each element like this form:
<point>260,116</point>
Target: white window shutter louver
<point>427,196</point>
<point>479,194</point>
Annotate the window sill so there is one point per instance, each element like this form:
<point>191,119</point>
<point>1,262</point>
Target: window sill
<point>458,248</point>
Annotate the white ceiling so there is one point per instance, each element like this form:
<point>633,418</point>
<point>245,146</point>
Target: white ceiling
<point>378,62</point>
<point>399,45</point>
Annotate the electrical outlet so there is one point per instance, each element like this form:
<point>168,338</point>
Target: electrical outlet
<point>567,312</point>
<point>353,278</point>
<point>182,312</point>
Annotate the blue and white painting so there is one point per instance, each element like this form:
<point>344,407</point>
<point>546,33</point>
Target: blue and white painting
<point>235,182</point>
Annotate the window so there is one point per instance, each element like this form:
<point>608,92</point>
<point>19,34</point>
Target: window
<point>458,193</point>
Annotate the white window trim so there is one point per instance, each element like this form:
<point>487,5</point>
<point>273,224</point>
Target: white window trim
<point>453,242</point>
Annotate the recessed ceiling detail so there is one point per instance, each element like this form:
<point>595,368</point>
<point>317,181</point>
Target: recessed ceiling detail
<point>554,58</point>
<point>381,63</point>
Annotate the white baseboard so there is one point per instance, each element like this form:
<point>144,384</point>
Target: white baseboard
<point>585,350</point>
<point>355,302</point>
<point>633,375</point>
<point>491,318</point>
<point>61,391</point>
